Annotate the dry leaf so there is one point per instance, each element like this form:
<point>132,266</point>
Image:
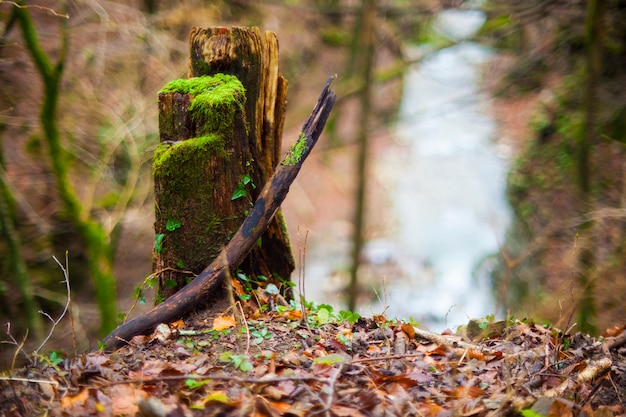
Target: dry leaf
<point>178,324</point>
<point>408,329</point>
<point>475,354</point>
<point>78,399</point>
<point>293,315</point>
<point>224,322</point>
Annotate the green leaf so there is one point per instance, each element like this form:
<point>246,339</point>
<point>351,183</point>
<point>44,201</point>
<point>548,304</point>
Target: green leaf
<point>239,192</point>
<point>246,366</point>
<point>349,316</point>
<point>172,224</point>
<point>158,240</point>
<point>326,307</point>
<point>180,264</point>
<point>194,383</point>
<point>271,289</point>
<point>323,316</point>
<point>55,358</point>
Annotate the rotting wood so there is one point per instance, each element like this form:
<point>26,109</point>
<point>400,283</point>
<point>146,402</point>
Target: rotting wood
<point>252,148</point>
<point>255,224</point>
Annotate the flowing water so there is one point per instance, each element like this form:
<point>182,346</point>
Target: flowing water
<point>446,182</point>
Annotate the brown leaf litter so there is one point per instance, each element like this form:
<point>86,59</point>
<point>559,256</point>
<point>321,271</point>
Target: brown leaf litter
<point>269,364</point>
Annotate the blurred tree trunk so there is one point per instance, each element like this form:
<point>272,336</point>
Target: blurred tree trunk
<point>24,306</point>
<point>97,244</point>
<point>217,183</point>
<point>594,35</point>
<point>363,60</point>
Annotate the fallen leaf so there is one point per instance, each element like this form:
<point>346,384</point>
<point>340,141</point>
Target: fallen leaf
<point>217,396</point>
<point>475,354</point>
<point>408,329</point>
<point>224,322</point>
<point>559,409</point>
<point>78,399</point>
<point>293,315</point>
<point>178,324</point>
<point>342,411</point>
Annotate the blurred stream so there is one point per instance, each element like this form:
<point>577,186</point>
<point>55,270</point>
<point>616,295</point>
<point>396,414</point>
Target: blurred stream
<point>446,181</point>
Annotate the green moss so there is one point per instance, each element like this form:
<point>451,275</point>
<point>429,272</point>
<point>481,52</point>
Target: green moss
<point>296,151</point>
<point>171,159</point>
<point>215,100</point>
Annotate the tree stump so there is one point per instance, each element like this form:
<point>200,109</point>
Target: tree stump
<point>220,134</point>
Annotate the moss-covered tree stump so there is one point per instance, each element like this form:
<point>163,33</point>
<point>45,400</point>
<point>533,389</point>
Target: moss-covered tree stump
<point>220,142</point>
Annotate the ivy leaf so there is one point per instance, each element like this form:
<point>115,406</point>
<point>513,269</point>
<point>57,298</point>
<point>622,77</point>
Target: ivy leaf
<point>158,240</point>
<point>239,192</point>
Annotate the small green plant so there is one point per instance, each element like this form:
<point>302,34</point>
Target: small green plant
<point>55,358</point>
<point>414,322</point>
<point>149,282</point>
<point>101,346</point>
<point>484,323</point>
<point>242,187</point>
<point>189,344</point>
<point>172,224</point>
<point>241,362</point>
<point>249,284</point>
<point>323,315</point>
<point>193,384</point>
<point>260,335</point>
<point>349,316</point>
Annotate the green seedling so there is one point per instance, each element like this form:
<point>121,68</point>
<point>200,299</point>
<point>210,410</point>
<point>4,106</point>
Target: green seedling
<point>241,362</point>
<point>196,383</point>
<point>261,335</point>
<point>54,358</point>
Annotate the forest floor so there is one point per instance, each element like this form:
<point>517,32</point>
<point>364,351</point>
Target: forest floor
<point>287,363</point>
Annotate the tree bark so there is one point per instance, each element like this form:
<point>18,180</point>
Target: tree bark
<point>255,225</point>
